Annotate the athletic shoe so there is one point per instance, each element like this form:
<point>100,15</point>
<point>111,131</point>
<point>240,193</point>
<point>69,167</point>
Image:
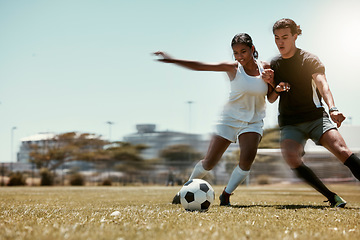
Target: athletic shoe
<point>337,202</point>
<point>176,199</point>
<point>225,199</point>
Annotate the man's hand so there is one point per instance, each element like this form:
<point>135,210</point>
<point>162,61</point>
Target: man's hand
<point>337,117</point>
<point>282,87</point>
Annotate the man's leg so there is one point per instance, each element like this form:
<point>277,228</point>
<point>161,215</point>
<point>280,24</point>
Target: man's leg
<point>334,142</point>
<point>292,153</point>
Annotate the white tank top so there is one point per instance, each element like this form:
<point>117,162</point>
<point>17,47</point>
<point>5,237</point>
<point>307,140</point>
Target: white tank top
<point>247,97</point>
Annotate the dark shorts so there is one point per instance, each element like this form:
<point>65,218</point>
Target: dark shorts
<point>308,130</point>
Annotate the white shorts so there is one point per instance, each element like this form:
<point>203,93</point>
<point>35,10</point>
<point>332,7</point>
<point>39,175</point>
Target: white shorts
<point>233,130</point>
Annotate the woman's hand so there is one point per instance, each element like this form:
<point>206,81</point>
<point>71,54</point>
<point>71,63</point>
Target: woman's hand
<point>268,76</point>
<point>165,56</point>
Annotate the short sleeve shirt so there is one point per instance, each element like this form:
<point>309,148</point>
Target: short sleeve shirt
<point>303,101</point>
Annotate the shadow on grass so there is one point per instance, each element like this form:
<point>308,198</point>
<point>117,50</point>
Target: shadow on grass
<point>288,206</point>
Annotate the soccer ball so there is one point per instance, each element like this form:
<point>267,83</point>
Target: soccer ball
<point>197,195</point>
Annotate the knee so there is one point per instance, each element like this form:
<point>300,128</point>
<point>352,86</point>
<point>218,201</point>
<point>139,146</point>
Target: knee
<point>343,152</point>
<point>291,154</point>
<point>246,160</point>
<point>292,158</point>
<point>208,164</point>
<point>245,165</point>
<point>248,156</point>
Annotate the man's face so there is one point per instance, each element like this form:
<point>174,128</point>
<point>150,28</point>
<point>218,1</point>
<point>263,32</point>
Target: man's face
<point>285,42</point>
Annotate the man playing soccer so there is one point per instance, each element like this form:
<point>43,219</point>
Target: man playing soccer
<point>300,82</point>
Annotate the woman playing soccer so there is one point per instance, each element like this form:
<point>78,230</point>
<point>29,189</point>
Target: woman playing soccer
<point>242,117</point>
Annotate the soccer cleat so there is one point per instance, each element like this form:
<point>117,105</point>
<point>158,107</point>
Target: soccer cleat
<point>176,199</point>
<point>225,199</point>
<point>337,202</point>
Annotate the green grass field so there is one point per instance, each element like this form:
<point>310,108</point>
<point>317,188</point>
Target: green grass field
<point>258,212</point>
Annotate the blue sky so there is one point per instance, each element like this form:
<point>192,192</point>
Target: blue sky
<point>74,65</point>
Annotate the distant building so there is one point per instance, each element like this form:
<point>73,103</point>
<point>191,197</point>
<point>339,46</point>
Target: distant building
<point>158,140</point>
<point>40,139</point>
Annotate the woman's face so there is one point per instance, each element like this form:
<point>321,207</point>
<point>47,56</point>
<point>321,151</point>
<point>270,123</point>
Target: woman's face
<point>242,53</point>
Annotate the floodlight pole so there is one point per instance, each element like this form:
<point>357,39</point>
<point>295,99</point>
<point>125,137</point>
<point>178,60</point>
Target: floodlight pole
<point>190,102</point>
<point>12,147</point>
<point>110,123</point>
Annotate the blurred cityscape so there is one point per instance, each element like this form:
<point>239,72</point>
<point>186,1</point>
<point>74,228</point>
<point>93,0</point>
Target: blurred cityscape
<point>149,156</point>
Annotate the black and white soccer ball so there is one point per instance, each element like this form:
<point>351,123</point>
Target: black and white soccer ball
<point>196,195</point>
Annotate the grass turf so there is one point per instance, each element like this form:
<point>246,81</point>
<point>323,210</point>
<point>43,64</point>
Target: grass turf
<point>258,212</point>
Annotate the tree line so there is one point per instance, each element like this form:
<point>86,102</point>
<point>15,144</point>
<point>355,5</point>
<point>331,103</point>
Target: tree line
<point>51,154</point>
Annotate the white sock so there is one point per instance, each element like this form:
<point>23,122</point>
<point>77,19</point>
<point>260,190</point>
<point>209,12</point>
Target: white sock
<point>238,176</point>
<point>199,171</point>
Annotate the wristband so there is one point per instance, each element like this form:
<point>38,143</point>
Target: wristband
<point>333,109</point>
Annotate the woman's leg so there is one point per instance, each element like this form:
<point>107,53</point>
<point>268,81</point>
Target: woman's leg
<point>217,147</point>
<point>248,143</point>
